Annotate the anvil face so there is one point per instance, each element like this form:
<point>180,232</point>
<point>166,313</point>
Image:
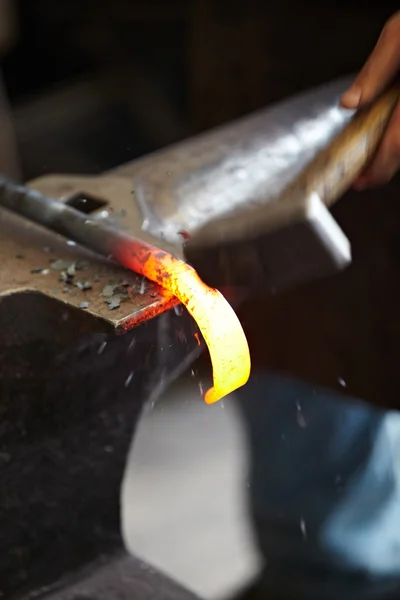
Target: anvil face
<point>36,261</point>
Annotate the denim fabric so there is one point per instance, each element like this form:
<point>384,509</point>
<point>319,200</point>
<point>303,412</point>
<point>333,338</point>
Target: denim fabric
<point>323,491</point>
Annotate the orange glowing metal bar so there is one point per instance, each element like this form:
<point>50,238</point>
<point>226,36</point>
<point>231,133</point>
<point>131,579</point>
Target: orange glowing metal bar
<point>216,319</point>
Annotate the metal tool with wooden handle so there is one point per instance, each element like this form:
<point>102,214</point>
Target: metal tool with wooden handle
<point>293,237</point>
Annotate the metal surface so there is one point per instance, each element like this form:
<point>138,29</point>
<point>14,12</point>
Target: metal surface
<point>71,393</point>
<point>70,400</point>
<point>292,238</point>
<point>77,226</point>
<point>293,248</point>
<point>248,161</point>
<point>28,251</point>
<point>124,578</point>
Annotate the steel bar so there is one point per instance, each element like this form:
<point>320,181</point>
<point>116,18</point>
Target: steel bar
<point>69,222</point>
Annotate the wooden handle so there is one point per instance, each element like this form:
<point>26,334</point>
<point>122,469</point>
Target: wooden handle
<point>336,167</point>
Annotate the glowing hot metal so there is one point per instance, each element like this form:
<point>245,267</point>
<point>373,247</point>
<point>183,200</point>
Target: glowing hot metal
<point>217,321</point>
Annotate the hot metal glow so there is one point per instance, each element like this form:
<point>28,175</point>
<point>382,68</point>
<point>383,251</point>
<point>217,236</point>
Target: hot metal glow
<point>217,321</point>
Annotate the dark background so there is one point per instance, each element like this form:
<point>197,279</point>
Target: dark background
<point>95,84</point>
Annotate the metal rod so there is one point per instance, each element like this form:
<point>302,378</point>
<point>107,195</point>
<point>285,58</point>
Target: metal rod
<point>91,233</point>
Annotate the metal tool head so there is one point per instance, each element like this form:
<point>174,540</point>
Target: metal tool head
<point>292,237</point>
<point>215,197</point>
<point>273,249</point>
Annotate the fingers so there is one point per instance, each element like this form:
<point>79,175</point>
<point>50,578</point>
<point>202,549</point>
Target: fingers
<point>379,70</point>
<point>387,160</point>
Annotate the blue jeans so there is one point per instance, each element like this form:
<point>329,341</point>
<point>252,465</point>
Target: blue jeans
<point>324,491</point>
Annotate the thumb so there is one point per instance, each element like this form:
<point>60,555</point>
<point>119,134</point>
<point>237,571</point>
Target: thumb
<point>380,69</point>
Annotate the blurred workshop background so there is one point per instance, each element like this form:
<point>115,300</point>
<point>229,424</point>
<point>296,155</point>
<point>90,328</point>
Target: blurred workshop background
<point>87,85</point>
